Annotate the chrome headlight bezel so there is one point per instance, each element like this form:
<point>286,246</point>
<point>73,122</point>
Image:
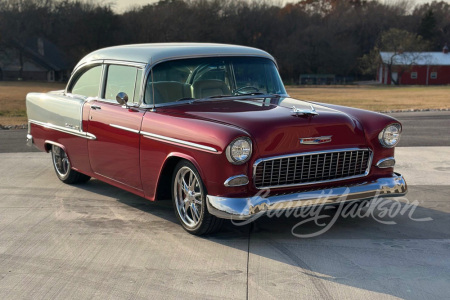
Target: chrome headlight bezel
<point>229,152</point>
<point>386,135</point>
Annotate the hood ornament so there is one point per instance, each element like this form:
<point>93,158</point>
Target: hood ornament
<point>310,112</point>
<point>316,140</point>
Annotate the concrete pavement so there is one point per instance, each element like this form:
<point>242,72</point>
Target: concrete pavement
<point>429,128</point>
<point>96,241</point>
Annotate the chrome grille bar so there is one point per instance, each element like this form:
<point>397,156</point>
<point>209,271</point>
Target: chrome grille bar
<point>311,168</point>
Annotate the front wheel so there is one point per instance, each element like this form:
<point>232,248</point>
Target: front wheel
<point>63,168</point>
<point>189,201</point>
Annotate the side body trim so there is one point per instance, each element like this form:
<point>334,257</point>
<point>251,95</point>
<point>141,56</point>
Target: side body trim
<point>124,128</point>
<point>82,134</point>
<point>177,141</point>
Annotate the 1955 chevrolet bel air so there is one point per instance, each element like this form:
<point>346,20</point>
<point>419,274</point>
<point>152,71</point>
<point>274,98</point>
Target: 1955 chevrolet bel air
<point>212,127</point>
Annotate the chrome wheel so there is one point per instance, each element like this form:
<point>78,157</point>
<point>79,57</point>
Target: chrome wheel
<point>188,195</point>
<point>60,161</point>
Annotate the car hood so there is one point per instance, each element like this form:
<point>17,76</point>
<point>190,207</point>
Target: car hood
<point>274,127</point>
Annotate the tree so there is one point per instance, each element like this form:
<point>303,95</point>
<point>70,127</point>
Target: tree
<point>434,23</point>
<point>403,48</point>
<point>427,27</point>
<point>19,21</point>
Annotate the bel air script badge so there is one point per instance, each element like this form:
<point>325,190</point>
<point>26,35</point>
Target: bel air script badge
<point>316,140</point>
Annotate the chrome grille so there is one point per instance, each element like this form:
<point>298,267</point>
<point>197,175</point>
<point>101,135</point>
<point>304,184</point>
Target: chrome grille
<point>312,167</point>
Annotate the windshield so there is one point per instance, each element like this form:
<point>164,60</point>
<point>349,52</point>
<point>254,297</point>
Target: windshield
<point>200,78</point>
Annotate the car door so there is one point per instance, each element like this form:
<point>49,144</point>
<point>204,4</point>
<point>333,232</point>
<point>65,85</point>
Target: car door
<point>114,154</point>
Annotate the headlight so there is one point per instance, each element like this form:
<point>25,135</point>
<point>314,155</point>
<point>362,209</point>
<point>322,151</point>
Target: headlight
<point>239,150</point>
<point>390,136</point>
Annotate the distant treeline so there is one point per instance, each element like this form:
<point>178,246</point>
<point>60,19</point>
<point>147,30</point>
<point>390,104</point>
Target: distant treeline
<point>307,37</point>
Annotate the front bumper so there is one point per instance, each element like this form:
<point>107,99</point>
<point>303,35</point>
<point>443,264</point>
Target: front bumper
<point>244,208</point>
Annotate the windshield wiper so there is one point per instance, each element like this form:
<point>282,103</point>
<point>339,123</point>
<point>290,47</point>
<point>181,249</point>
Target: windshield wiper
<point>232,96</point>
<point>185,98</point>
<point>219,96</point>
<point>250,94</point>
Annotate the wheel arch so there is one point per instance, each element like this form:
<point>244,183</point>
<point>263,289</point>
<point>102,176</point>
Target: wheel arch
<point>48,148</point>
<point>165,175</point>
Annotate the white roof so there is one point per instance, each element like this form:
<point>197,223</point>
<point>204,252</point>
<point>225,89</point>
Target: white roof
<point>416,58</point>
<point>152,53</point>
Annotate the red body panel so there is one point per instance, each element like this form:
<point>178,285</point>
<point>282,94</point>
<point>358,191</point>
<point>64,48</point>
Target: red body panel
<point>115,152</point>
<point>214,168</point>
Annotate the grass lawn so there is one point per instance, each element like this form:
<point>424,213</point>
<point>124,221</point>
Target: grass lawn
<point>12,99</point>
<point>377,98</point>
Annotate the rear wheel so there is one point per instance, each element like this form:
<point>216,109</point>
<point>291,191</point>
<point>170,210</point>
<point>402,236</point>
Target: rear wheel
<point>189,201</point>
<point>63,168</point>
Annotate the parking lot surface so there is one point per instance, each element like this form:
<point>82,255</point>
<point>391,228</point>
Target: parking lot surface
<point>95,241</point>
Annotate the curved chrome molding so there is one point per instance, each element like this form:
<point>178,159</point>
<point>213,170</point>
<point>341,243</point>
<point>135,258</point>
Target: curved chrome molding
<point>124,128</point>
<point>369,164</point>
<point>177,141</point>
<point>82,134</point>
<point>245,208</point>
<point>383,160</point>
<point>227,182</point>
<point>125,63</point>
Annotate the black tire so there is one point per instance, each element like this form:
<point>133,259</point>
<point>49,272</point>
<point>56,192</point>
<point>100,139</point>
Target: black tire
<point>189,201</point>
<point>63,169</point>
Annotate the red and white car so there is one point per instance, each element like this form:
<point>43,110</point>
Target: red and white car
<point>212,127</point>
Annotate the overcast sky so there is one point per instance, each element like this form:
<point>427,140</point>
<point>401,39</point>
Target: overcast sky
<point>122,5</point>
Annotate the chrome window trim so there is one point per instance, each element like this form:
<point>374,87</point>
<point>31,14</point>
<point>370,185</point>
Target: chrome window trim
<point>227,182</point>
<point>177,141</point>
<point>125,128</point>
<point>383,160</point>
<point>86,65</point>
<point>104,100</point>
<point>138,65</point>
<point>81,133</point>
<point>125,63</point>
<point>137,101</point>
<point>255,164</point>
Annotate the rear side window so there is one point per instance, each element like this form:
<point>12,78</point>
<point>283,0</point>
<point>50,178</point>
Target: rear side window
<point>123,79</point>
<point>88,83</point>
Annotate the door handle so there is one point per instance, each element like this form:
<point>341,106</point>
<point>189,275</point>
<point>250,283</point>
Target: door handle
<point>96,107</point>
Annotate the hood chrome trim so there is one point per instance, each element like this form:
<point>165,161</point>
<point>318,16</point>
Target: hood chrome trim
<point>316,140</point>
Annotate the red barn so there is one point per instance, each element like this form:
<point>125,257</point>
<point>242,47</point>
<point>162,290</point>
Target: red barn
<point>422,68</point>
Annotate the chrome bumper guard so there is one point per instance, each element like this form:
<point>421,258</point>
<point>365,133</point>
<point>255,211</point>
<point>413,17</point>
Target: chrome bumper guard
<point>29,140</point>
<point>244,208</point>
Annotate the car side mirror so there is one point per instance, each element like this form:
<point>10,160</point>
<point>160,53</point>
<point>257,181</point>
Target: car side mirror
<point>122,98</point>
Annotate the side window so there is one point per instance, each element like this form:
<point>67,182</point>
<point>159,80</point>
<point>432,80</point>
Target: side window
<point>88,83</point>
<point>123,79</point>
<point>167,82</point>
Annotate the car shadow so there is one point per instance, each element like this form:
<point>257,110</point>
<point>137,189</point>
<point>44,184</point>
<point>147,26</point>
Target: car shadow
<point>360,252</point>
